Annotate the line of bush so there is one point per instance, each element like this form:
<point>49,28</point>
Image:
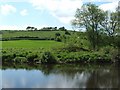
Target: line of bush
<point>48,57</point>
<point>25,38</point>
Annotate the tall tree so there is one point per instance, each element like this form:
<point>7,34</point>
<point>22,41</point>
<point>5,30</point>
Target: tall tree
<point>90,17</point>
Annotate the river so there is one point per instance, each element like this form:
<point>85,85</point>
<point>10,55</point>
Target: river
<point>60,76</point>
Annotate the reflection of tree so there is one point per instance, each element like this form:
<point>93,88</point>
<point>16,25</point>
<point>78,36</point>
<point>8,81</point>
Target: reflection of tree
<point>92,81</point>
<point>66,70</point>
<point>104,78</point>
<point>119,77</point>
<point>47,69</point>
<point>118,69</point>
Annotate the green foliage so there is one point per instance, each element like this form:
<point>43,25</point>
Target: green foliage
<point>110,51</point>
<point>82,57</point>
<point>58,39</point>
<point>30,57</point>
<point>56,56</point>
<point>62,29</point>
<point>106,49</point>
<point>117,41</point>
<point>29,35</point>
<point>100,26</point>
<point>48,57</point>
<point>90,17</point>
<point>67,33</point>
<point>73,48</point>
<point>8,57</point>
<point>57,34</point>
<point>20,59</point>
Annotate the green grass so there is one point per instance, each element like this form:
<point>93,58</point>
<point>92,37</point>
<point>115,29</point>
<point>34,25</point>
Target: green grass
<point>30,44</point>
<point>40,34</point>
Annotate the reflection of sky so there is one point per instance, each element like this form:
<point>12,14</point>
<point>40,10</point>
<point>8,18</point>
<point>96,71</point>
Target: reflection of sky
<point>36,79</point>
<point>64,81</point>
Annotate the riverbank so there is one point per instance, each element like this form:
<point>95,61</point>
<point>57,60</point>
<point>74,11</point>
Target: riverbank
<point>53,56</point>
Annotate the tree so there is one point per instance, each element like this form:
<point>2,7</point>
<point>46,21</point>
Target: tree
<point>89,17</point>
<point>29,27</point>
<point>110,23</point>
<point>35,29</point>
<point>32,28</point>
<point>62,29</point>
<point>57,37</point>
<point>55,28</point>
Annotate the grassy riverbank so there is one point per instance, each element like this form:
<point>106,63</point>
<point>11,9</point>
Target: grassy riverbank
<point>32,51</point>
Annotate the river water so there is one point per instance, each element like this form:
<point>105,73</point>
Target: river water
<point>61,76</point>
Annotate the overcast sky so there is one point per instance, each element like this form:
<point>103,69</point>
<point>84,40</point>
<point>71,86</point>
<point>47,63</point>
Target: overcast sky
<point>18,14</point>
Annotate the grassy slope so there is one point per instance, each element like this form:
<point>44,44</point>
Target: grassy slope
<point>40,34</point>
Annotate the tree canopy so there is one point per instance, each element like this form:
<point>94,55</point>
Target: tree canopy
<point>96,21</point>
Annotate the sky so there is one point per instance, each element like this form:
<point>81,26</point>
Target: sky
<point>18,14</point>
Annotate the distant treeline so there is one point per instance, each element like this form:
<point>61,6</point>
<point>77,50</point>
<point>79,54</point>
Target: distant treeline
<point>30,28</point>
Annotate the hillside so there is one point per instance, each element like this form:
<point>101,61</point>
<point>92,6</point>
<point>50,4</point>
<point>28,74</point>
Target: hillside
<point>8,35</point>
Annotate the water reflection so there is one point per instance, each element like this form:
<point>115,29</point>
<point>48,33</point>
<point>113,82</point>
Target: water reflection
<point>60,76</point>
<point>0,79</point>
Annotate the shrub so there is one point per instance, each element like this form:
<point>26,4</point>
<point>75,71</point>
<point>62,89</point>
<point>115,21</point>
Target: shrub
<point>20,60</point>
<point>7,57</point>
<point>66,32</point>
<point>71,48</point>
<point>58,39</point>
<point>30,57</point>
<point>106,49</point>
<point>37,60</point>
<point>47,57</point>
<point>22,54</point>
<point>111,52</point>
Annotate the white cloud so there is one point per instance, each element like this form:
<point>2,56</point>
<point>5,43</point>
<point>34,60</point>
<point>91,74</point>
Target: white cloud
<point>7,9</point>
<point>63,10</point>
<point>24,12</point>
<point>109,6</point>
<point>100,0</point>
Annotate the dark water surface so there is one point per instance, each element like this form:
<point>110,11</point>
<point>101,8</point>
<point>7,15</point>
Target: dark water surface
<point>60,76</point>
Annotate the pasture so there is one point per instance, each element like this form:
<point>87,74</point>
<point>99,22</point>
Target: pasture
<point>30,44</point>
<point>39,34</point>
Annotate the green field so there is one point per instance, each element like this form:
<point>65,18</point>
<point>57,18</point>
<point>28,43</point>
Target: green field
<point>30,44</point>
<point>39,34</point>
